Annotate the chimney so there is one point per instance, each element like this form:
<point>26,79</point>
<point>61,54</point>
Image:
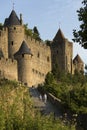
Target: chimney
<point>21,21</point>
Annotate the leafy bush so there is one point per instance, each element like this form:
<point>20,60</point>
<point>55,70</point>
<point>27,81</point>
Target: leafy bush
<point>17,112</point>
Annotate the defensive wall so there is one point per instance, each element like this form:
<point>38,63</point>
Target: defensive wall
<point>4,41</point>
<point>8,69</point>
<point>40,60</point>
<point>15,39</point>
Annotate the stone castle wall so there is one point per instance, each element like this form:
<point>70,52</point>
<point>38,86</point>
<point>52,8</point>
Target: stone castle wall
<point>69,55</point>
<point>4,42</point>
<point>15,38</point>
<point>8,69</point>
<point>24,69</point>
<point>32,69</point>
<point>40,61</point>
<point>62,51</point>
<point>78,67</point>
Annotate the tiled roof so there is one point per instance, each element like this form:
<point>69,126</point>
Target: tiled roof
<point>59,35</point>
<point>23,49</point>
<point>12,20</point>
<point>77,59</point>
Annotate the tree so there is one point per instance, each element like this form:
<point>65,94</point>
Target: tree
<point>81,35</point>
<point>36,34</point>
<point>28,32</point>
<point>48,42</point>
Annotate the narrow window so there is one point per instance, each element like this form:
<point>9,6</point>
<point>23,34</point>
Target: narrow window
<point>23,55</point>
<point>38,55</point>
<point>12,43</point>
<point>14,28</point>
<point>48,59</point>
<point>33,70</point>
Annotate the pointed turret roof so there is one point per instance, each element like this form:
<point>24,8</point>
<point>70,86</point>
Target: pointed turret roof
<point>59,35</point>
<point>77,59</point>
<point>23,49</point>
<point>12,20</point>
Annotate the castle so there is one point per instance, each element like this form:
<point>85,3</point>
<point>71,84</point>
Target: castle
<point>26,60</point>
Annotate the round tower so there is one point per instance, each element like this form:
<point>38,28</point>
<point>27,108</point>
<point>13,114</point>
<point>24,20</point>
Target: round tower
<point>24,57</point>
<point>15,33</point>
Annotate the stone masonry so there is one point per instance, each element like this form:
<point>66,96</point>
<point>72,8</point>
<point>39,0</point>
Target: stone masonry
<point>26,60</point>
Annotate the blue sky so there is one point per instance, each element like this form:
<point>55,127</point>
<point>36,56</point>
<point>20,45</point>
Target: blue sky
<point>48,16</point>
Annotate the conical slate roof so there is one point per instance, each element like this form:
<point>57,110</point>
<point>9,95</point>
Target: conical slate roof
<point>12,20</point>
<point>23,49</point>
<point>77,59</point>
<point>59,35</point>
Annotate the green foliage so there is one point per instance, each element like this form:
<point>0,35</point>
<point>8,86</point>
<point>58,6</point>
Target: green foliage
<point>49,78</point>
<point>79,98</point>
<point>70,89</point>
<point>28,32</point>
<point>81,35</point>
<point>48,43</point>
<point>36,34</point>
<point>17,112</point>
<point>32,33</point>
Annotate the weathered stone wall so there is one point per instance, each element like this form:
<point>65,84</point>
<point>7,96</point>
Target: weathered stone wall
<point>33,69</point>
<point>24,69</point>
<point>62,52</point>
<point>4,42</point>
<point>40,61</point>
<point>69,55</point>
<point>78,67</point>
<point>15,39</point>
<point>8,69</point>
<point>58,54</point>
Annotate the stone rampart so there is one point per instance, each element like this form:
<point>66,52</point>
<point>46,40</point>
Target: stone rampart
<point>8,69</point>
<point>4,42</point>
<point>40,61</point>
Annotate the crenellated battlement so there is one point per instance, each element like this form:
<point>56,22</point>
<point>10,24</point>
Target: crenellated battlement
<point>38,43</point>
<point>3,32</point>
<point>33,59</point>
<point>8,68</point>
<point>9,62</point>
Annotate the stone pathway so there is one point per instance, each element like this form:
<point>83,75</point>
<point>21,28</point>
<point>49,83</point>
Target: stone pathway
<point>45,108</point>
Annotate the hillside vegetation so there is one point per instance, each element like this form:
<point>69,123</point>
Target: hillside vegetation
<point>17,112</point>
<point>72,91</point>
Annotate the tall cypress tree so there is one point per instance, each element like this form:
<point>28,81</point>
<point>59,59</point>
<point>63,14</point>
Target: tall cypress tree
<point>36,34</point>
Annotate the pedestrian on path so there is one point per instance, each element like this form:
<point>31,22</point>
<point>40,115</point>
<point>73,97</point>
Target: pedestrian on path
<point>40,97</point>
<point>45,97</point>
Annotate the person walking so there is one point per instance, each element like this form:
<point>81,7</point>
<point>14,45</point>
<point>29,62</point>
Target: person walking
<point>40,97</point>
<point>45,97</point>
